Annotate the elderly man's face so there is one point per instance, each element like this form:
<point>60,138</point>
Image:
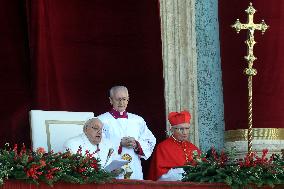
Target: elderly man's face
<point>181,131</point>
<point>94,131</point>
<point>119,100</point>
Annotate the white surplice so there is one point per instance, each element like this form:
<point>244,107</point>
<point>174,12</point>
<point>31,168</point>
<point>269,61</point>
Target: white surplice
<point>133,126</point>
<point>172,175</point>
<point>105,145</point>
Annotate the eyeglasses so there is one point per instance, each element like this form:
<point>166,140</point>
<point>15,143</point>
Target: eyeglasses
<point>121,99</point>
<point>182,129</point>
<point>96,129</point>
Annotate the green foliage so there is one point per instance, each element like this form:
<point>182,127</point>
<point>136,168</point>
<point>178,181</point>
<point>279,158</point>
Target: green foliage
<point>50,167</point>
<point>250,171</point>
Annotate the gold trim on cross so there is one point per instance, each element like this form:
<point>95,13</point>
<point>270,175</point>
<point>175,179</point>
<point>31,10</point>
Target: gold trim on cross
<point>250,26</point>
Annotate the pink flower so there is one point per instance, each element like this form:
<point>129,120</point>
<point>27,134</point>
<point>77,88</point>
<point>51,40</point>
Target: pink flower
<point>40,150</point>
<point>42,163</point>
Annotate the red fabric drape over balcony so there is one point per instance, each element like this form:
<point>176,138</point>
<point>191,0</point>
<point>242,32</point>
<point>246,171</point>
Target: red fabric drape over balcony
<point>122,184</point>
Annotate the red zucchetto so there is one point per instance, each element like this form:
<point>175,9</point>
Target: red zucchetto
<point>176,118</point>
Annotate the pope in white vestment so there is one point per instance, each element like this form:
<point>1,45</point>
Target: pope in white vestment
<point>93,141</point>
<point>122,127</point>
<point>101,150</point>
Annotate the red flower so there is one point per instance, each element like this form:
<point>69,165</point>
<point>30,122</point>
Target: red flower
<point>23,150</point>
<point>30,158</point>
<point>33,171</point>
<point>192,163</point>
<point>81,170</point>
<point>50,173</point>
<point>49,176</point>
<point>204,159</point>
<point>94,165</point>
<point>15,150</point>
<point>79,151</point>
<point>264,152</point>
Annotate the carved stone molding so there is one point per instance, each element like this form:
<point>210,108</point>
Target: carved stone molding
<point>263,138</point>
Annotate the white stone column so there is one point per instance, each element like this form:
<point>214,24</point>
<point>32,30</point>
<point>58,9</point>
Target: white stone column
<point>180,59</point>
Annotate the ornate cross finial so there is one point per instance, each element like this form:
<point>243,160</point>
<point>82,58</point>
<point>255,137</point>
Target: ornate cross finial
<point>250,58</point>
<point>250,26</point>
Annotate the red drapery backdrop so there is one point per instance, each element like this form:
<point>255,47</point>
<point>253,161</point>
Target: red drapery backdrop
<point>65,55</point>
<point>268,84</point>
<point>15,73</point>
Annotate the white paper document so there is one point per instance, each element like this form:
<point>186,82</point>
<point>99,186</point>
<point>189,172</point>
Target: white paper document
<point>115,164</point>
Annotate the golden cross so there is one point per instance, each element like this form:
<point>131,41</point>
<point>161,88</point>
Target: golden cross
<point>250,71</point>
<point>250,26</point>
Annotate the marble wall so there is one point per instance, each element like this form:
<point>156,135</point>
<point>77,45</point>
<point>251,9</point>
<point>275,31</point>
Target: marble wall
<point>209,76</point>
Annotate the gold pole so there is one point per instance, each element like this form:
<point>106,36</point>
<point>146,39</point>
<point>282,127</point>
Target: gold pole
<point>250,131</point>
<point>250,58</point>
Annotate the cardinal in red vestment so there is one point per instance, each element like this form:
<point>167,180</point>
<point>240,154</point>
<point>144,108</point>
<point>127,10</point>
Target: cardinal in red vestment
<point>175,151</point>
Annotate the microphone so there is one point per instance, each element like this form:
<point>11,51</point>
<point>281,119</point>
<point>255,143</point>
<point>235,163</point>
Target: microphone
<point>110,152</point>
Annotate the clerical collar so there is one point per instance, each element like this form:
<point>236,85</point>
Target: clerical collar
<point>116,114</point>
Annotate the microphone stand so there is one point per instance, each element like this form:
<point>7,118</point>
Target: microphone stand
<point>110,152</point>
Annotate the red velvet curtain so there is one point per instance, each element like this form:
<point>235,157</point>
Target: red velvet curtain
<point>65,55</point>
<point>15,73</point>
<point>268,84</point>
